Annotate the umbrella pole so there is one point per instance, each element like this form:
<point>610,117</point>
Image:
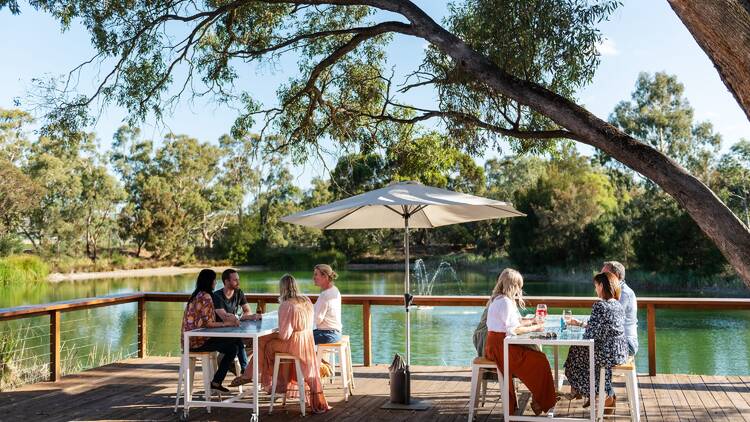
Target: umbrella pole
<point>407,303</point>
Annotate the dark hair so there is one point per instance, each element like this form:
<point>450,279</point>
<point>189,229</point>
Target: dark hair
<point>225,275</point>
<point>204,283</point>
<point>610,285</point>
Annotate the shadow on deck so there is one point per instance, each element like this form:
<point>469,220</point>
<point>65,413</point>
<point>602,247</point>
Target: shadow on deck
<point>143,389</point>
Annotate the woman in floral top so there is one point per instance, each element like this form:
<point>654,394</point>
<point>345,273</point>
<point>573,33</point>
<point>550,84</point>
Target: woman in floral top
<point>199,313</point>
<point>607,327</point>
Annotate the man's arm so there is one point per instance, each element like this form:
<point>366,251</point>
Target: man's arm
<point>224,315</point>
<point>248,314</point>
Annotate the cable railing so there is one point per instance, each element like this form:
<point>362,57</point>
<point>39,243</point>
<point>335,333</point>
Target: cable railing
<point>56,347</point>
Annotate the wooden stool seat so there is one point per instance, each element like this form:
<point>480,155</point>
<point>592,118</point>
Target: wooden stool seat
<point>483,361</point>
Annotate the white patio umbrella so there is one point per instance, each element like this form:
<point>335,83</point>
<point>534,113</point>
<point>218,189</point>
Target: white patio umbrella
<point>403,205</point>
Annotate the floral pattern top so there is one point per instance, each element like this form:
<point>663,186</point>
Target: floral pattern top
<point>198,313</point>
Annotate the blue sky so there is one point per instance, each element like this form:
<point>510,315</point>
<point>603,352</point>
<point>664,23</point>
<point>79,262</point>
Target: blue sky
<point>643,35</point>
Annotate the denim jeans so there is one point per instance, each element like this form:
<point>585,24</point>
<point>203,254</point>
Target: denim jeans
<point>326,336</point>
<point>228,347</point>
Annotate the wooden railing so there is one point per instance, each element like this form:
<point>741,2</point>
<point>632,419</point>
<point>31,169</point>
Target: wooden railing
<point>366,301</point>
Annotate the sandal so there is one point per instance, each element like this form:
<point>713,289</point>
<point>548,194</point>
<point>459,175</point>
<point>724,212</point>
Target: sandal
<point>237,381</point>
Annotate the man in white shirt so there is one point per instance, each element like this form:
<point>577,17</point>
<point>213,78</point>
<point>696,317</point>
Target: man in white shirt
<point>629,304</point>
<point>327,315</point>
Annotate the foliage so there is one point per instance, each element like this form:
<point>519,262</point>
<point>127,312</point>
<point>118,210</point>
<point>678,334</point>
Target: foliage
<point>566,215</point>
<point>22,269</point>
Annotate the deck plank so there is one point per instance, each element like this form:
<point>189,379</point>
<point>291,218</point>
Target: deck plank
<point>143,389</point>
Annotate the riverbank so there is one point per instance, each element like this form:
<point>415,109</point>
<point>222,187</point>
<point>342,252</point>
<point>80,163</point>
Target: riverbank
<point>142,272</point>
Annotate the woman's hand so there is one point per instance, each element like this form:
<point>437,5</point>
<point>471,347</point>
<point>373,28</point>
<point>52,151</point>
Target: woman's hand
<point>537,327</point>
<point>575,322</point>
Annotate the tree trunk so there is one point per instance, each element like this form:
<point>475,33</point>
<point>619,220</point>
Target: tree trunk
<point>713,217</point>
<point>722,29</point>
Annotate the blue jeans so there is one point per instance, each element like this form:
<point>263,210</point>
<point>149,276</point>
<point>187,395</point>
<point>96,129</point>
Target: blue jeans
<point>632,346</point>
<point>241,355</point>
<point>326,336</point>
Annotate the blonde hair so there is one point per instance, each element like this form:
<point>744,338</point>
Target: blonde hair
<point>288,289</point>
<point>509,284</point>
<point>327,271</point>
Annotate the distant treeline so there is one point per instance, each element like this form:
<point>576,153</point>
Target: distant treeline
<point>180,198</point>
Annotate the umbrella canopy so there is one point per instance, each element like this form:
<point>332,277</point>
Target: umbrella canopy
<point>404,205</point>
<point>386,208</point>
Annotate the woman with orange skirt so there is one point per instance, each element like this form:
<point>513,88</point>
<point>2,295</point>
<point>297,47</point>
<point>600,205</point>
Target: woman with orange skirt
<point>530,366</point>
<point>295,337</point>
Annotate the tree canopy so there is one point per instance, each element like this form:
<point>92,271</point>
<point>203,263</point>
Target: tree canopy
<point>502,70</point>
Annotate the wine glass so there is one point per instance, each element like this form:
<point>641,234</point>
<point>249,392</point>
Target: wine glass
<point>567,316</point>
<point>541,312</point>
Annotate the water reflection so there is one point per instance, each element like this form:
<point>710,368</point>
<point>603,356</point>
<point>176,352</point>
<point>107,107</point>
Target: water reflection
<point>700,342</point>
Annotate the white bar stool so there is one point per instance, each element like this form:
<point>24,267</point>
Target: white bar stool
<point>284,358</point>
<point>209,364</point>
<point>208,360</point>
<point>627,370</point>
<point>478,368</point>
<point>343,351</point>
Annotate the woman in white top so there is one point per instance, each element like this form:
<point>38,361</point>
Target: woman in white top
<point>530,366</point>
<point>328,306</point>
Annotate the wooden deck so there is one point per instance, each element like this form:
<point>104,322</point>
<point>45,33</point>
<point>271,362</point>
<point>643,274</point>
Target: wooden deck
<point>143,389</point>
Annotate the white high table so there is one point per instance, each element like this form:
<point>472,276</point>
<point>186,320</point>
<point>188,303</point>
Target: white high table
<point>573,336</point>
<point>269,324</point>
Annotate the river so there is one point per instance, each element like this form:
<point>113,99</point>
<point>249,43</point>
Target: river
<point>689,342</point>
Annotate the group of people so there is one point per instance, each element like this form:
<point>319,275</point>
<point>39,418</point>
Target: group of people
<point>302,325</point>
<point>612,326</point>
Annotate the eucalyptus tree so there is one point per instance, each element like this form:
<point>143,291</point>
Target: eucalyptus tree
<point>501,69</point>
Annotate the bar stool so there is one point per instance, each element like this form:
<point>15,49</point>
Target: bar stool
<point>478,368</point>
<point>343,351</point>
<point>208,360</point>
<point>627,370</point>
<point>209,364</point>
<point>284,358</point>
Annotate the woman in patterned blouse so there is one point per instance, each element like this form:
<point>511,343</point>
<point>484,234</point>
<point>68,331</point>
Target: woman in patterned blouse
<point>607,327</point>
<point>199,313</point>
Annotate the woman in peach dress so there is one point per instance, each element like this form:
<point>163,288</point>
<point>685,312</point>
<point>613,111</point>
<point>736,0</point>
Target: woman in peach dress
<point>295,337</point>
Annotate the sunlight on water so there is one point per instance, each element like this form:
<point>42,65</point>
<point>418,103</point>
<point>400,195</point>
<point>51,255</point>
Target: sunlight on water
<point>701,342</point>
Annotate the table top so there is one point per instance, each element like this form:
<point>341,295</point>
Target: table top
<point>569,336</point>
<point>247,329</point>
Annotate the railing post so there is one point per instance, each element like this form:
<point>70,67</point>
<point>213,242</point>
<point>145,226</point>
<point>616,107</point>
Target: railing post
<point>261,308</point>
<point>54,346</point>
<point>367,333</point>
<point>651,327</point>
<point>142,339</point>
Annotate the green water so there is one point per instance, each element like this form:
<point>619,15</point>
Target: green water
<point>700,342</point>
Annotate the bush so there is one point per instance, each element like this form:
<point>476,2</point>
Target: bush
<point>22,269</point>
<point>10,245</point>
<point>293,258</point>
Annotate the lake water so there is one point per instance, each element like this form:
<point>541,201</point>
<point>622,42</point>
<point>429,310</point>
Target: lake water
<point>700,342</point>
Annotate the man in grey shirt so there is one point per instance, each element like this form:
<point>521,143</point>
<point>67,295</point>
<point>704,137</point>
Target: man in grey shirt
<point>629,304</point>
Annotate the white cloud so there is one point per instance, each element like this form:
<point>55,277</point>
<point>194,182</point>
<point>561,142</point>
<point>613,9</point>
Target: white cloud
<point>607,47</point>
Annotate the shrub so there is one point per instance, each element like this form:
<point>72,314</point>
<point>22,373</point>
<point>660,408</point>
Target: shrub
<point>23,269</point>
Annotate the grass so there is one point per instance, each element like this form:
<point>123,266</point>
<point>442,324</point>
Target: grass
<point>23,363</point>
<point>22,269</point>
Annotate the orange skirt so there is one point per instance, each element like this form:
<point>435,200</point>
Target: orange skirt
<point>530,366</point>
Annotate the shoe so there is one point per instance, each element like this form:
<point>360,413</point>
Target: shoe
<point>586,404</point>
<point>218,387</point>
<point>237,381</point>
<point>536,408</point>
<point>609,405</point>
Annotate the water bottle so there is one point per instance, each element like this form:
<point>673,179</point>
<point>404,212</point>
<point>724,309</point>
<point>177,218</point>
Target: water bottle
<point>562,324</point>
